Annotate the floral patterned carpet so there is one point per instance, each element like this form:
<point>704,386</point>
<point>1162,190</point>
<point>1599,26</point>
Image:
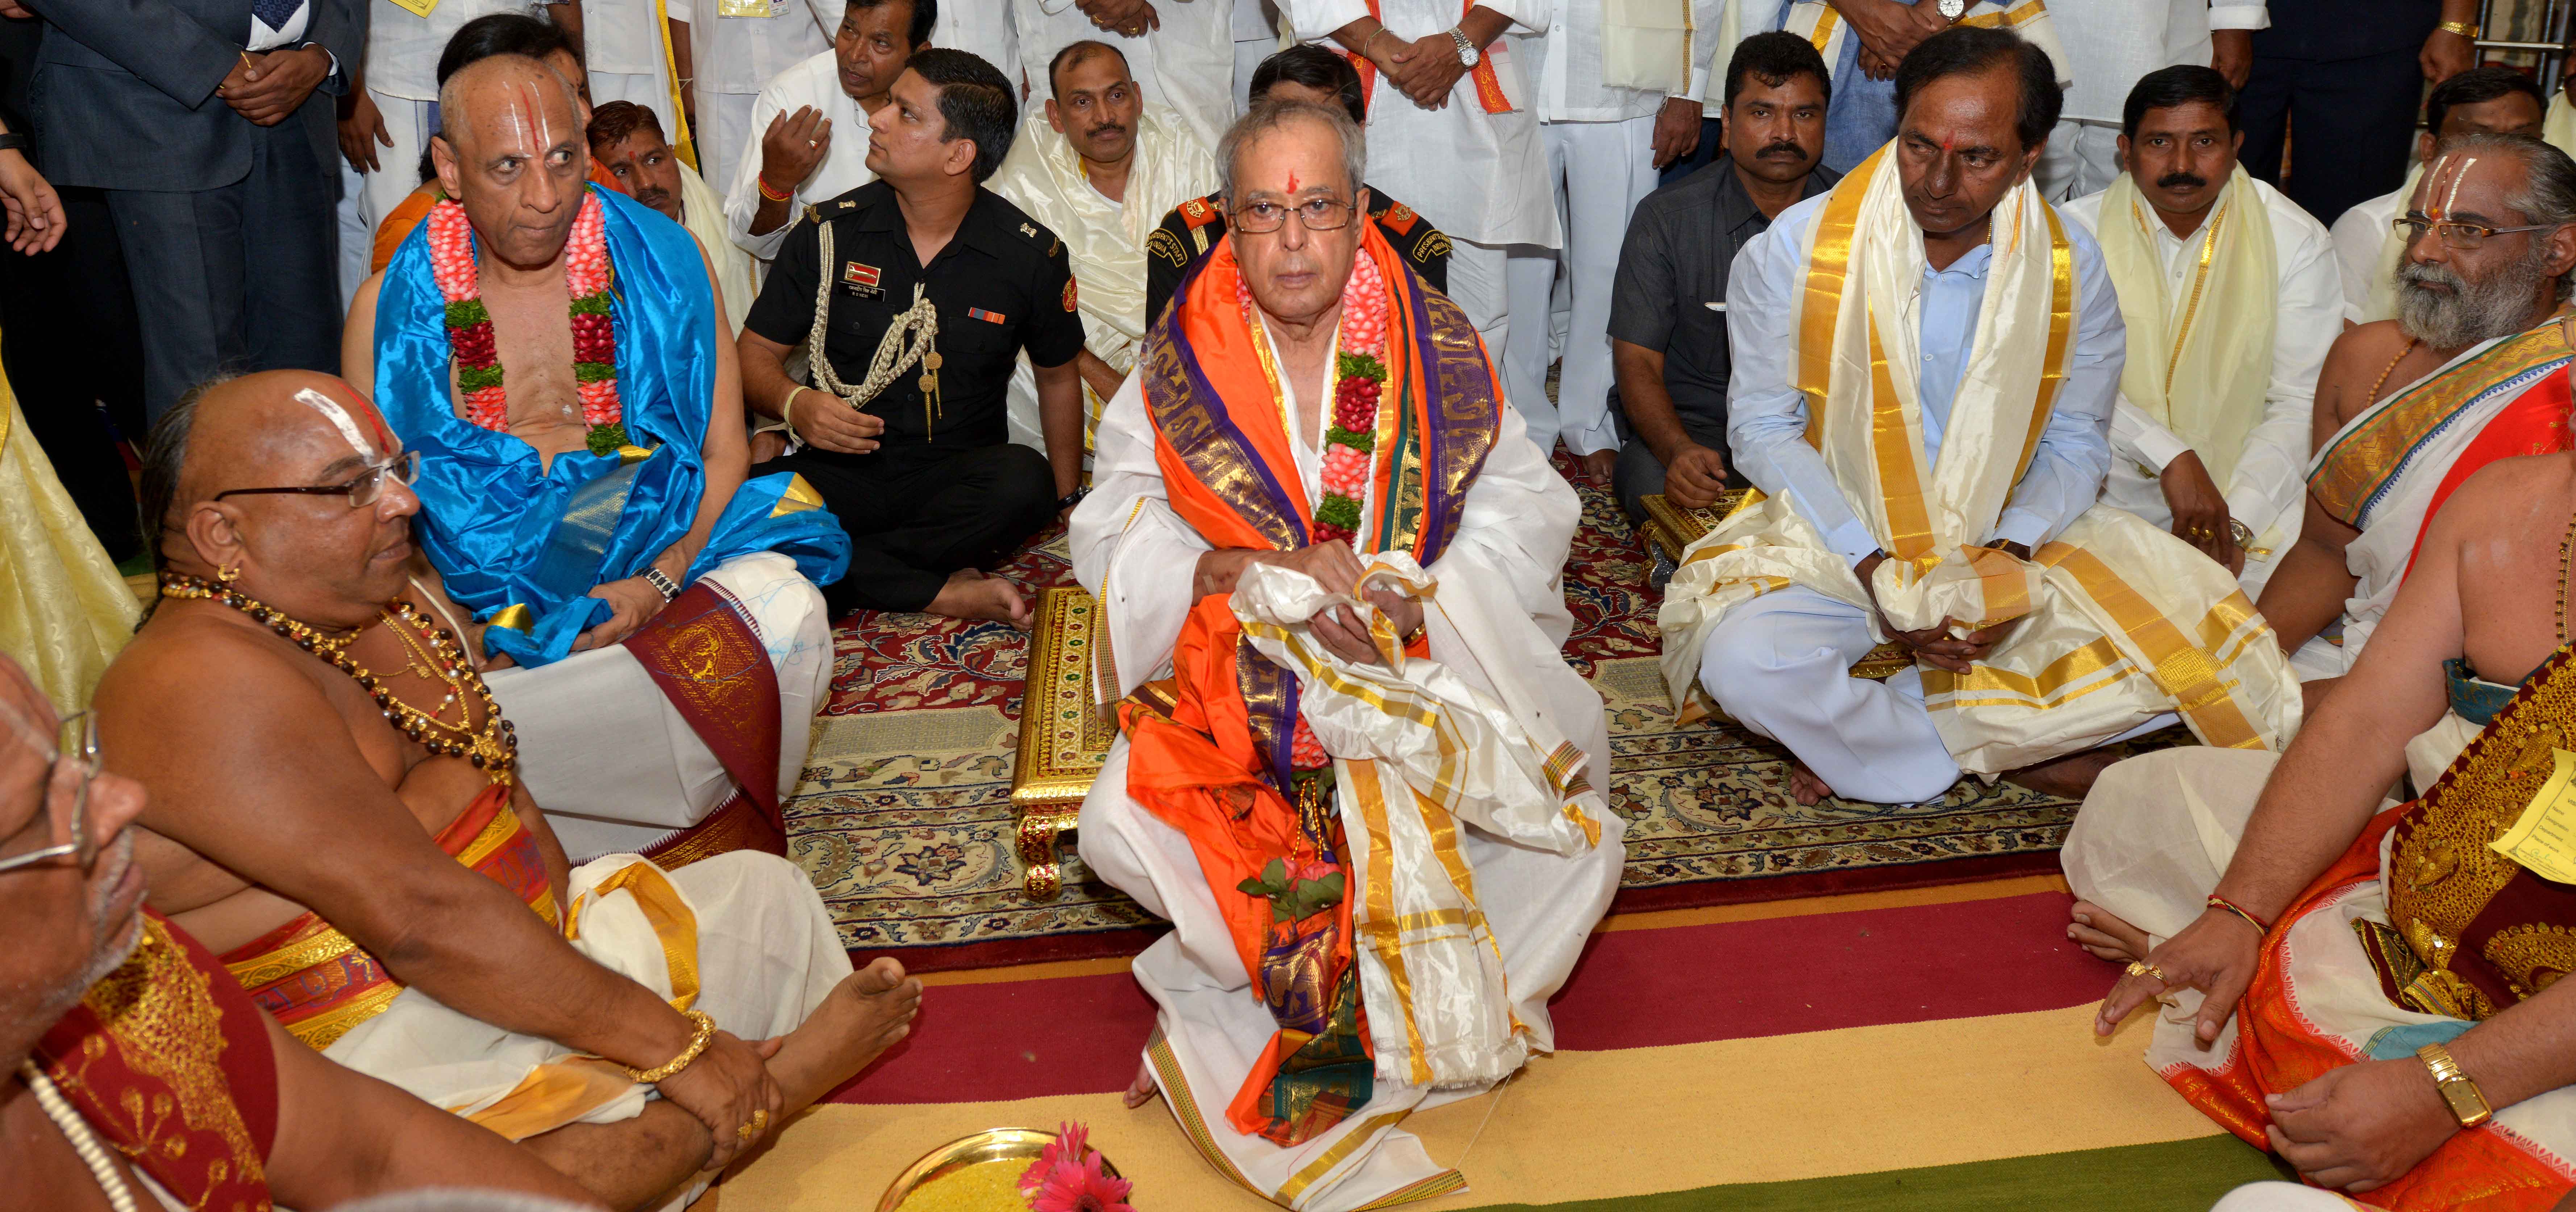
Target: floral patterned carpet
<point>904,816</point>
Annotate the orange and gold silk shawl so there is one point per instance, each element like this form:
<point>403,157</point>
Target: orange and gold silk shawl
<point>1209,749</point>
<point>318,984</point>
<point>2497,933</point>
<point>169,1062</point>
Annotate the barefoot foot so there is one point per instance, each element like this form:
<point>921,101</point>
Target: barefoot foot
<point>1142,1090</point>
<point>870,1011</point>
<point>970,594</point>
<point>2069,777</point>
<point>2108,938</point>
<point>1805,786</point>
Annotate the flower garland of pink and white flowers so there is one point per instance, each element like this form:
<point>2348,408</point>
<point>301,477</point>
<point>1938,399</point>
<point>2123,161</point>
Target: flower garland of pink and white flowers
<point>469,325</point>
<point>1360,386</point>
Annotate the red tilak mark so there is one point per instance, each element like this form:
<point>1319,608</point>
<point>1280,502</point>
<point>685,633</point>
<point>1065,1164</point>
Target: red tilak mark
<point>1292,183</point>
<point>1945,146</point>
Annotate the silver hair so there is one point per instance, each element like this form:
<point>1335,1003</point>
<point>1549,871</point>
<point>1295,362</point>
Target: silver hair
<point>1274,113</point>
<point>2547,194</point>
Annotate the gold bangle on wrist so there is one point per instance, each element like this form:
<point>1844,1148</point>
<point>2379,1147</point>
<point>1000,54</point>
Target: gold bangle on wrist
<point>697,1044</point>
<point>2462,28</point>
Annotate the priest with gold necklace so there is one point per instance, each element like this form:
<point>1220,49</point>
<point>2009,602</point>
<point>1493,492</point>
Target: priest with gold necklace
<point>2232,299</point>
<point>1926,362</point>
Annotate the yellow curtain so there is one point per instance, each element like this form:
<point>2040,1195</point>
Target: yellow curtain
<point>64,611</point>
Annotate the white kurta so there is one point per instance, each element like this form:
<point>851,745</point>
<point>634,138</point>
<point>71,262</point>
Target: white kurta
<point>2268,490</point>
<point>2361,246</point>
<point>623,46</point>
<point>1185,65</point>
<point>613,764</point>
<point>702,212</point>
<point>736,48</point>
<point>2110,44</point>
<point>982,28</point>
<point>1043,175</point>
<point>815,82</point>
<point>1501,623</point>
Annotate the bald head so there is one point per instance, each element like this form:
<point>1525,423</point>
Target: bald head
<point>279,429</point>
<point>511,149</point>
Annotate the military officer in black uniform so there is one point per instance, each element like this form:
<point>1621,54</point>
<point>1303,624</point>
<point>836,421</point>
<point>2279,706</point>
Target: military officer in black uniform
<point>1304,73</point>
<point>930,286</point>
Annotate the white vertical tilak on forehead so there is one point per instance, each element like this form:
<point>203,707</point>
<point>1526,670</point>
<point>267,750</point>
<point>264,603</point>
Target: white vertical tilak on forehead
<point>340,419</point>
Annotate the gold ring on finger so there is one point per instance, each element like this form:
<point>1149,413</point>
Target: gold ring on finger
<point>760,1120</point>
<point>744,1132</point>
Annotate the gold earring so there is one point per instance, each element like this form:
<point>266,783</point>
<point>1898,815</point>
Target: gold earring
<point>228,574</point>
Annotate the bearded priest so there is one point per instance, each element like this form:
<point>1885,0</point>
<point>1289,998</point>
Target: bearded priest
<point>1353,770</point>
<point>1926,360</point>
<point>559,357</point>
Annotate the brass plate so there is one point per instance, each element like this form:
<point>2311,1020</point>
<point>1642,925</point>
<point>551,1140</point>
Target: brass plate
<point>991,1144</point>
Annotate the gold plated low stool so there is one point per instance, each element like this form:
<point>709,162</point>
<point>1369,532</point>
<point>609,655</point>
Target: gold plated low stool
<point>1064,735</point>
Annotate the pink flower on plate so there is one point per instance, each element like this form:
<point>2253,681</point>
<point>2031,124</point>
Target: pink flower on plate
<point>1067,1177</point>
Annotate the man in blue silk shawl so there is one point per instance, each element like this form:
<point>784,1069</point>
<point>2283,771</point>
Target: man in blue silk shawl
<point>555,542</point>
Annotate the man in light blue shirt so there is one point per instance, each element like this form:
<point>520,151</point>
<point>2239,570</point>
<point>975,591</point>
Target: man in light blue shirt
<point>1971,132</point>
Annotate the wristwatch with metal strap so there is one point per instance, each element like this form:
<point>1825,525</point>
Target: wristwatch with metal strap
<point>2468,1103</point>
<point>1467,52</point>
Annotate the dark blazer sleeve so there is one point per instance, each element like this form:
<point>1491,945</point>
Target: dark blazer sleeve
<point>340,27</point>
<point>162,44</point>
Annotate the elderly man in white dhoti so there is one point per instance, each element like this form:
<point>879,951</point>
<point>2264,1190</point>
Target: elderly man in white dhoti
<point>1100,168</point>
<point>1933,452</point>
<point>1354,770</point>
<point>2471,370</point>
<point>2231,299</point>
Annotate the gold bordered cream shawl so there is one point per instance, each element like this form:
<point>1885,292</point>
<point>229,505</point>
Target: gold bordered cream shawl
<point>2118,620</point>
<point>1817,22</point>
<point>2202,364</point>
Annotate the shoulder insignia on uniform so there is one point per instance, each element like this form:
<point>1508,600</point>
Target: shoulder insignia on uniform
<point>1030,230</point>
<point>813,213</point>
<point>1432,244</point>
<point>1197,213</point>
<point>1072,296</point>
<point>1054,247</point>
<point>1398,218</point>
<point>1167,246</point>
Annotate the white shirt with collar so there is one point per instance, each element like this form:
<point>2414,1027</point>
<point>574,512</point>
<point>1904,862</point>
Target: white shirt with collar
<point>403,49</point>
<point>982,28</point>
<point>815,82</point>
<point>1566,61</point>
<point>1476,176</point>
<point>742,54</point>
<point>2270,487</point>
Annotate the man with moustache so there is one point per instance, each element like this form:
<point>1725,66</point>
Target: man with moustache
<point>1668,315</point>
<point>797,163</point>
<point>1312,74</point>
<point>1099,167</point>
<point>336,812</point>
<point>628,141</point>
<point>2231,299</point>
<point>117,1008</point>
<point>919,291</point>
<point>1926,360</point>
<point>2482,100</point>
<point>2471,370</point>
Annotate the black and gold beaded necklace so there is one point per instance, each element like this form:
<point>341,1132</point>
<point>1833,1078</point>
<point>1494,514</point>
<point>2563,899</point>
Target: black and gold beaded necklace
<point>492,748</point>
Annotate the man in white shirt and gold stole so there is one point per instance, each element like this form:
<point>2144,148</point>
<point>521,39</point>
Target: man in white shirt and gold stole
<point>1615,103</point>
<point>1180,51</point>
<point>1099,167</point>
<point>809,129</point>
<point>1354,769</point>
<point>2231,298</point>
<point>1926,361</point>
<point>736,47</point>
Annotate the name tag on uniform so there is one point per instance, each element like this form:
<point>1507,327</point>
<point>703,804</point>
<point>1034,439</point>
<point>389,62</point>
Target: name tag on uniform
<point>860,280</point>
<point>763,9</point>
<point>417,8</point>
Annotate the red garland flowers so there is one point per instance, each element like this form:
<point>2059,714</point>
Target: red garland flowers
<point>1358,389</point>
<point>469,326</point>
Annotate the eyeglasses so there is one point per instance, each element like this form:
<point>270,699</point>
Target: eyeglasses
<point>1318,214</point>
<point>2458,237</point>
<point>363,491</point>
<point>78,743</point>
